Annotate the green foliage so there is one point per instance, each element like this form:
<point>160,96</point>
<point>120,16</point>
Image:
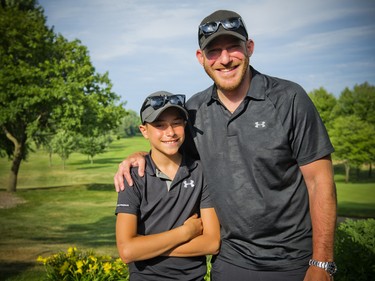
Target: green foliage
<point>324,103</point>
<point>94,145</point>
<point>75,265</point>
<point>353,140</point>
<point>63,144</point>
<point>47,83</point>
<point>359,102</point>
<point>355,250</point>
<point>129,125</point>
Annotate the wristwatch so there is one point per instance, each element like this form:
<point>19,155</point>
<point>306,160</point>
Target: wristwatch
<point>328,266</point>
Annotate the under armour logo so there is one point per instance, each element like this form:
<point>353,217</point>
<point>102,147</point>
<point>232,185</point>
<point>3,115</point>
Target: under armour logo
<point>186,184</point>
<point>260,124</point>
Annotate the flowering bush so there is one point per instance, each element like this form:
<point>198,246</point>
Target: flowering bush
<point>75,265</point>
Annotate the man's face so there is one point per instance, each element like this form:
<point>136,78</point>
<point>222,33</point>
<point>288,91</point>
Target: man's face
<point>226,60</point>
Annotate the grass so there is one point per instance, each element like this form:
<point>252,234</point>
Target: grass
<point>75,207</point>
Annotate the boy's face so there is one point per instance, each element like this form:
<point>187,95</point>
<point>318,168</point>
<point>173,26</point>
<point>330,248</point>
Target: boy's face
<point>167,133</point>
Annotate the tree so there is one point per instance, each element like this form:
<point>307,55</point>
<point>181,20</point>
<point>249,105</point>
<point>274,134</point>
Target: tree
<point>94,145</point>
<point>63,144</point>
<point>47,84</point>
<point>353,139</point>
<point>325,103</point>
<point>360,102</point>
<point>129,124</point>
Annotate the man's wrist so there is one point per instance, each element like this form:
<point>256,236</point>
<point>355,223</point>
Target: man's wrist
<point>328,266</point>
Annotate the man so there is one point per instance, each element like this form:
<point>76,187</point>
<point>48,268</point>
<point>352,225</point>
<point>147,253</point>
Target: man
<point>266,155</point>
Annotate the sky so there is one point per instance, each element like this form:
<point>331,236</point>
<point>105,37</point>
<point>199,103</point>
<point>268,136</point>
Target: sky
<point>150,45</point>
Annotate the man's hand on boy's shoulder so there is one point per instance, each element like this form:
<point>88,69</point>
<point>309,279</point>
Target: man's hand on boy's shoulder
<point>136,159</point>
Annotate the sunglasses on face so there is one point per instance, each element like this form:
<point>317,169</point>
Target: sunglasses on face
<point>229,24</point>
<point>157,102</point>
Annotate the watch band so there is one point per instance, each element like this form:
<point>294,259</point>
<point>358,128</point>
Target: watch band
<point>330,267</point>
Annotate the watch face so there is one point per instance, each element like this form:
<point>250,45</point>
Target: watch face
<point>331,268</point>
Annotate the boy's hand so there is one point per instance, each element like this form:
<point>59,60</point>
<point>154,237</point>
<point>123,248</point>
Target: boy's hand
<point>136,159</point>
<point>193,226</point>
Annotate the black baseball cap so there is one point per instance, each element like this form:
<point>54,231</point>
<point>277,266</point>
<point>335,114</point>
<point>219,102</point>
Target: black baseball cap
<point>217,16</point>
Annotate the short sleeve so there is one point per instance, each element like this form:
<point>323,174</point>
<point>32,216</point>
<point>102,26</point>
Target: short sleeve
<point>310,140</point>
<point>129,200</point>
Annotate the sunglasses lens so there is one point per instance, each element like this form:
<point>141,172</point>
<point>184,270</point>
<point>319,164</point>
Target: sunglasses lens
<point>157,102</point>
<point>177,99</point>
<point>231,23</point>
<point>209,28</point>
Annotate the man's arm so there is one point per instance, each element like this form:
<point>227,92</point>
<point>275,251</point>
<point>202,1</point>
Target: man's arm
<point>136,159</point>
<point>133,247</point>
<point>318,176</point>
<point>206,244</point>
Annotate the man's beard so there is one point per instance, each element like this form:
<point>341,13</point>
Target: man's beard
<point>224,86</point>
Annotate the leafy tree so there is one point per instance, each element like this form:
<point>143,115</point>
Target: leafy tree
<point>129,124</point>
<point>94,145</point>
<point>46,83</point>
<point>63,144</point>
<point>325,103</point>
<point>360,101</point>
<point>353,139</point>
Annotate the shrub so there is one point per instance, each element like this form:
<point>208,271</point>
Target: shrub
<point>75,265</point>
<point>355,250</point>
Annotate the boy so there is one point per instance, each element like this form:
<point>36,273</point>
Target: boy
<point>166,223</point>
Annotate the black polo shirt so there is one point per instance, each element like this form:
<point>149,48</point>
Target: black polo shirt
<point>251,161</point>
<point>160,210</point>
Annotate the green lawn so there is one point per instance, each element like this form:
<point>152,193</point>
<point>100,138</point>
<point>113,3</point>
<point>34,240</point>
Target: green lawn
<point>75,207</point>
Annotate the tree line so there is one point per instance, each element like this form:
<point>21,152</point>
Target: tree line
<point>350,121</point>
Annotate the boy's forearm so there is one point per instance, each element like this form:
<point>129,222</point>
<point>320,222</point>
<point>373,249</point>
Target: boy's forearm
<point>199,246</point>
<point>150,246</point>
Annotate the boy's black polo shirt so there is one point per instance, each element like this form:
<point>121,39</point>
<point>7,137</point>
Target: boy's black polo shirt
<point>251,161</point>
<point>159,210</point>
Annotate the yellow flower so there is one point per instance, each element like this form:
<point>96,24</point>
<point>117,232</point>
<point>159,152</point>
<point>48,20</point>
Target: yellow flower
<point>107,267</point>
<point>71,251</point>
<point>94,259</point>
<point>41,259</point>
<point>79,271</point>
<point>63,268</point>
<point>93,268</point>
<point>79,264</point>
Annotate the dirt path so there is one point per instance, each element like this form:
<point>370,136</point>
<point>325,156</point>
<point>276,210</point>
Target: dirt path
<point>9,200</point>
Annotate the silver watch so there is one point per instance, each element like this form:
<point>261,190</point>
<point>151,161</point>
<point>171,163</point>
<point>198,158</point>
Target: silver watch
<point>328,266</point>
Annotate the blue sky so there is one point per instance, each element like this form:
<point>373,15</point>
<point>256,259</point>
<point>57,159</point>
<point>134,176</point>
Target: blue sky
<point>150,45</point>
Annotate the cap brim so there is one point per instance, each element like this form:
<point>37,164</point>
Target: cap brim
<point>155,114</point>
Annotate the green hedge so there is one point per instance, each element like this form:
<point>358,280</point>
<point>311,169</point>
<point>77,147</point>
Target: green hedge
<point>355,250</point>
<point>354,256</point>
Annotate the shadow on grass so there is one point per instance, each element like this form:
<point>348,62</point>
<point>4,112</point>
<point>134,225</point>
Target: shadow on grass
<point>91,235</point>
<point>356,210</point>
<point>12,269</point>
<point>356,175</point>
<point>89,187</point>
<point>103,162</point>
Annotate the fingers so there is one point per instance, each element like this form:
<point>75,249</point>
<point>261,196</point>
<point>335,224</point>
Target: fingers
<point>119,182</point>
<point>137,159</point>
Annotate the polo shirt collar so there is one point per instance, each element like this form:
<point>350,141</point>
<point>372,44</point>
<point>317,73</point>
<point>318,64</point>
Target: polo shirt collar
<point>257,89</point>
<point>187,165</point>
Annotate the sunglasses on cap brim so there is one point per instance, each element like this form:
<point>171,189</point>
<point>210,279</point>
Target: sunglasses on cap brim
<point>157,102</point>
<point>229,24</point>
